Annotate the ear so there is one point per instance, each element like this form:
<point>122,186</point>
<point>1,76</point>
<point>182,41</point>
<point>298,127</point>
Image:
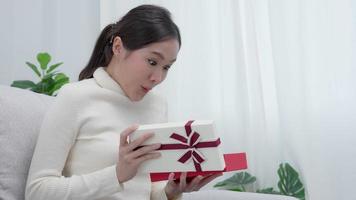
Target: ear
<point>117,46</point>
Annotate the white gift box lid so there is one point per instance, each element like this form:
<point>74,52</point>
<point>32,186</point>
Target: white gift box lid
<point>168,162</point>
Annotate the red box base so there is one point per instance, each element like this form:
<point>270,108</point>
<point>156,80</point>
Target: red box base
<point>233,162</point>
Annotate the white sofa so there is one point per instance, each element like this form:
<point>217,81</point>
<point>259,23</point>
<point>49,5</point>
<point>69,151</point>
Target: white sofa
<point>21,114</point>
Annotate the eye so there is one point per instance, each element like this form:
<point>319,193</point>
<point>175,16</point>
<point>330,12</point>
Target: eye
<point>166,67</point>
<point>152,62</point>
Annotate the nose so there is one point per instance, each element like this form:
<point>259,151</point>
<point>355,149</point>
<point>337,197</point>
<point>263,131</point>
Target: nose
<point>157,76</point>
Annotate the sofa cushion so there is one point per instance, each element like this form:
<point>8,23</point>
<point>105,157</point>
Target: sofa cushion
<point>21,113</point>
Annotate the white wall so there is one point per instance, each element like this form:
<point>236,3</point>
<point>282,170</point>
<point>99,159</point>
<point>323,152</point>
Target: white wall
<point>66,29</point>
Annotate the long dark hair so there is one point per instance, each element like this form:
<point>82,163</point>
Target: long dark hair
<point>141,26</point>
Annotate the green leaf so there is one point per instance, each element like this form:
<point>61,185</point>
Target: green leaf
<point>220,184</point>
<point>24,84</point>
<point>50,75</point>
<point>60,76</point>
<point>243,178</point>
<point>37,88</point>
<point>60,80</point>
<point>44,86</point>
<point>53,67</point>
<point>34,68</point>
<point>289,182</point>
<point>237,189</point>
<point>269,190</point>
<point>237,181</point>
<point>43,59</point>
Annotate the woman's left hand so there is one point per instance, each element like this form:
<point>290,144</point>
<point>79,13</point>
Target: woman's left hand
<point>174,189</point>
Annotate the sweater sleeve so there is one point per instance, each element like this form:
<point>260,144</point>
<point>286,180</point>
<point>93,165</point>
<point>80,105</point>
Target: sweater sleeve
<point>57,136</point>
<point>158,192</point>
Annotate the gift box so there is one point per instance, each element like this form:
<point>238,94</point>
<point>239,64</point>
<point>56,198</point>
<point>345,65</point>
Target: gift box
<point>233,162</point>
<point>192,146</point>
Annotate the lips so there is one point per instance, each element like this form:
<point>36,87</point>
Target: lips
<point>146,89</point>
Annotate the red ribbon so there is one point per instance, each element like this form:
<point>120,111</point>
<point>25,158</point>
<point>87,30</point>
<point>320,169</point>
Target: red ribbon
<point>192,143</point>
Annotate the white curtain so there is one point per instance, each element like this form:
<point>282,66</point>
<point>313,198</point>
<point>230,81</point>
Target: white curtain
<point>64,28</point>
<point>278,77</point>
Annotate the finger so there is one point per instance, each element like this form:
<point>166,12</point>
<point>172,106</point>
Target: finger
<point>171,179</point>
<point>207,179</point>
<point>183,181</point>
<point>135,143</point>
<point>143,150</point>
<point>126,133</point>
<point>194,184</point>
<point>149,156</point>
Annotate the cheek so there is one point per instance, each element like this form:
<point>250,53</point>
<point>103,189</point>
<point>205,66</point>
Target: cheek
<point>135,67</point>
<point>140,72</point>
<point>164,76</point>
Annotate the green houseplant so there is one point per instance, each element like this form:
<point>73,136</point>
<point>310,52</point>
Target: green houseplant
<point>51,79</point>
<point>289,183</point>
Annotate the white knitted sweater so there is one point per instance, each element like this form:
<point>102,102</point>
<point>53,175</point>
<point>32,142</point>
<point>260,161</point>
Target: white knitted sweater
<point>77,148</point>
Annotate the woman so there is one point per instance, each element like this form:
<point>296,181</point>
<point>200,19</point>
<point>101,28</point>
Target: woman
<point>79,153</point>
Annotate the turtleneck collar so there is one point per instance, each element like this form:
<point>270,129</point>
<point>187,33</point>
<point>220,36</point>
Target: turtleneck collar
<point>106,81</point>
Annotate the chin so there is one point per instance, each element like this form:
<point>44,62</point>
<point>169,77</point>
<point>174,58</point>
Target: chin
<point>136,97</point>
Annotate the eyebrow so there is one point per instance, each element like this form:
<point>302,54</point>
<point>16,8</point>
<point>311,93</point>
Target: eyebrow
<point>161,56</point>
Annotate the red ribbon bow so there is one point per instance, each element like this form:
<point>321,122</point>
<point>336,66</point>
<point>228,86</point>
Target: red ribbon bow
<point>191,142</point>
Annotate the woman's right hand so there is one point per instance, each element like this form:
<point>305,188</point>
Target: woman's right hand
<point>131,157</point>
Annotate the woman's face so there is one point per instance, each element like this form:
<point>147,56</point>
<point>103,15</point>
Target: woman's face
<point>138,71</point>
